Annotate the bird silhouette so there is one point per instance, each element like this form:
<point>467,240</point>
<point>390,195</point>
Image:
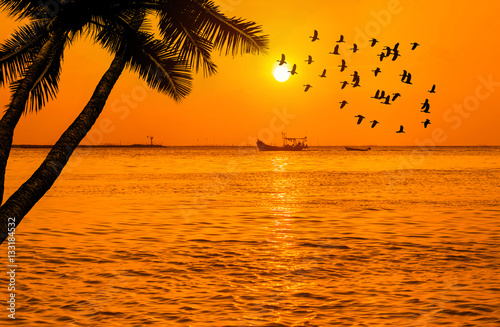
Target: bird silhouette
<point>414,45</point>
<point>315,36</point>
<point>343,104</point>
<point>356,82</point>
<point>341,39</point>
<point>282,61</point>
<point>408,79</point>
<point>344,84</point>
<point>308,86</point>
<point>395,96</point>
<point>388,51</point>
<point>426,123</point>
<point>426,106</point>
<point>354,48</point>
<point>382,56</point>
<point>382,95</point>
<point>355,75</point>
<point>336,50</point>
<point>377,95</point>
<point>373,42</point>
<point>324,73</point>
<point>396,46</point>
<point>377,71</point>
<point>387,100</point>
<point>309,60</point>
<point>343,66</point>
<point>360,118</point>
<point>433,90</point>
<point>294,70</point>
<point>404,76</point>
<point>401,129</point>
<point>374,123</point>
<point>396,55</point>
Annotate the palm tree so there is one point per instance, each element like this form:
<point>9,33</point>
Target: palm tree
<point>31,60</point>
<point>192,27</point>
<point>188,39</point>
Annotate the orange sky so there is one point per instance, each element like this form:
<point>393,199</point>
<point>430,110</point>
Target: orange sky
<point>459,52</point>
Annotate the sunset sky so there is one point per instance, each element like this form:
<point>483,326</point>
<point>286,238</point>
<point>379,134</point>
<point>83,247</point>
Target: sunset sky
<point>459,52</point>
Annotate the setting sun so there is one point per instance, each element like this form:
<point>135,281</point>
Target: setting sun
<point>281,74</point>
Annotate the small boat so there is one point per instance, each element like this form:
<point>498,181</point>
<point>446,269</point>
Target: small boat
<point>289,144</point>
<point>349,148</point>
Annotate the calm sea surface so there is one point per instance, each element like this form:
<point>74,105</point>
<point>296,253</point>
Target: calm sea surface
<point>234,237</point>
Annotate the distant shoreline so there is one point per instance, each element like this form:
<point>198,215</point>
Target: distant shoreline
<point>44,146</point>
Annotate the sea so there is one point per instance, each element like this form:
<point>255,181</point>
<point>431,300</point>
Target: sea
<point>229,236</point>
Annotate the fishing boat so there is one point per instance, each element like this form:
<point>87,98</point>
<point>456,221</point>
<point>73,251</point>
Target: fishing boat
<point>350,148</point>
<point>289,144</point>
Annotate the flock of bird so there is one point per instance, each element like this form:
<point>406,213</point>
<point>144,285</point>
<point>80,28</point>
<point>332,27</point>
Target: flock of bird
<point>387,99</point>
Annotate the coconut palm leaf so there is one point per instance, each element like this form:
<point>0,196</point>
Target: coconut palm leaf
<point>21,8</point>
<point>159,66</point>
<point>17,52</point>
<point>233,34</point>
<point>178,23</point>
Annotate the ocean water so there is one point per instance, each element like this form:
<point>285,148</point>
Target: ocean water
<point>397,236</point>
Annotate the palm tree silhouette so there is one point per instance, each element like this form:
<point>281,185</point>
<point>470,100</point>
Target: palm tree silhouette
<point>190,30</point>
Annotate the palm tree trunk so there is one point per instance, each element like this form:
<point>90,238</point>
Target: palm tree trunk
<point>21,202</point>
<point>19,99</point>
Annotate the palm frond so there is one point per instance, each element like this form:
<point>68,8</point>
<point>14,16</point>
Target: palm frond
<point>47,85</point>
<point>159,66</point>
<point>21,8</point>
<point>17,52</point>
<point>178,24</point>
<point>233,34</point>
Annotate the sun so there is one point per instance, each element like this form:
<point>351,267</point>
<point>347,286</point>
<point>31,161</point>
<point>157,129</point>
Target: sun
<point>281,74</point>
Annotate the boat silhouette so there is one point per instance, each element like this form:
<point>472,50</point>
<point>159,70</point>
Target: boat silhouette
<point>289,144</point>
<point>351,148</point>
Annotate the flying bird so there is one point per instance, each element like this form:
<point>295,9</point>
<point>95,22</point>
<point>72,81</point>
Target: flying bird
<point>355,77</point>
<point>377,71</point>
<point>387,100</point>
<point>388,51</point>
<point>344,84</point>
<point>294,70</point>
<point>433,90</point>
<point>324,73</point>
<point>414,45</point>
<point>396,46</point>
<point>315,36</point>
<point>396,55</point>
<point>336,51</point>
<point>377,95</point>
<point>282,61</point>
<point>309,60</point>
<point>374,123</point>
<point>404,76</point>
<point>401,129</point>
<point>373,41</point>
<point>382,56</point>
<point>382,95</point>
<point>341,39</point>
<point>356,82</point>
<point>308,86</point>
<point>354,48</point>
<point>408,79</point>
<point>395,96</point>
<point>343,66</point>
<point>343,104</point>
<point>426,123</point>
<point>360,118</point>
<point>426,106</point>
